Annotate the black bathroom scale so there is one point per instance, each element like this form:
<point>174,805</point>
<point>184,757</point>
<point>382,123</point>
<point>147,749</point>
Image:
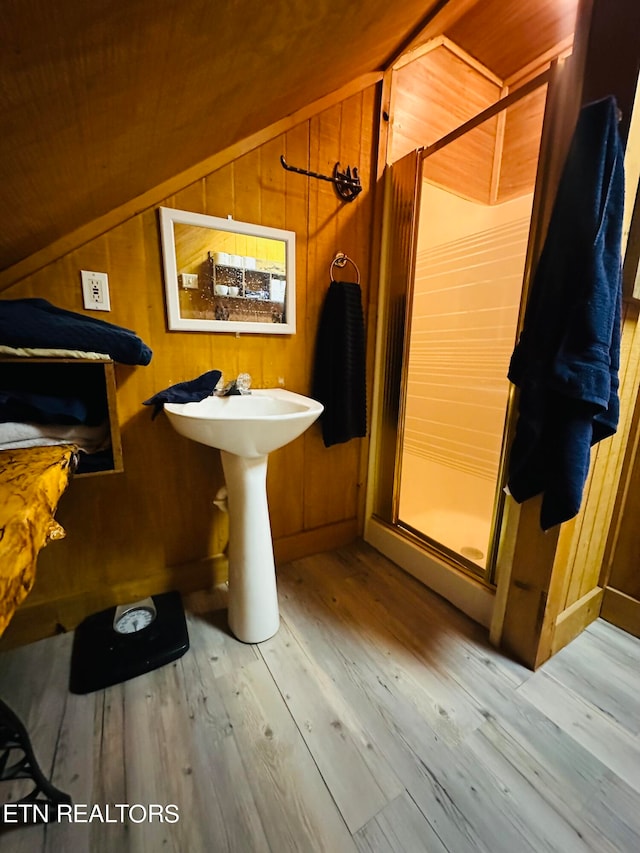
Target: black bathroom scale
<point>126,641</point>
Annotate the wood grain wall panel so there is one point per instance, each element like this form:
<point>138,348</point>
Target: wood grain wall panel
<point>345,230</point>
<point>432,96</point>
<point>583,542</point>
<point>465,166</point>
<point>624,574</point>
<point>521,146</point>
<point>153,526</point>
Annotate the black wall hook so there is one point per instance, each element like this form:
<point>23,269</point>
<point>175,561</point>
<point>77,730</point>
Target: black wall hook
<point>347,183</point>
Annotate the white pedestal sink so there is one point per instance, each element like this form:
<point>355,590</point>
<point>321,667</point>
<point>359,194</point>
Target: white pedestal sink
<point>246,428</point>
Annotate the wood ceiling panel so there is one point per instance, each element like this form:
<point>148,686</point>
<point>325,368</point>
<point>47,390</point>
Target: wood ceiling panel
<point>465,167</point>
<point>432,96</point>
<point>102,101</point>
<point>521,146</point>
<point>505,35</point>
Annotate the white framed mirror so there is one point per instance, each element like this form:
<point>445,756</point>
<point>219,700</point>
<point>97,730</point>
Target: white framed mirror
<point>222,275</point>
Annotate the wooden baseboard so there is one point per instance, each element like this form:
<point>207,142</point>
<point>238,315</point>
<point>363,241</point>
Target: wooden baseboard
<point>621,610</point>
<point>315,541</point>
<point>575,619</point>
<point>36,620</point>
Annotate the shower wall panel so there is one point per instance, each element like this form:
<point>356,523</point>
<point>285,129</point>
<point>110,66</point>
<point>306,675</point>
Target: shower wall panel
<point>468,281</point>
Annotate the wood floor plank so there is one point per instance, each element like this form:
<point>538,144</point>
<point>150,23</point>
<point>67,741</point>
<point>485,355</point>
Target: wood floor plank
<point>621,646</point>
<point>597,732</point>
<point>28,839</point>
<point>559,768</point>
<point>590,671</point>
<point>159,754</point>
<point>613,812</point>
<point>279,773</point>
<point>173,759</point>
<point>40,702</point>
<point>294,804</point>
<point>399,828</point>
<point>449,709</point>
<point>440,621</point>
<point>209,609</point>
<point>73,771</point>
<point>33,682</point>
<point>550,747</point>
<point>442,636</point>
<point>533,815</point>
<point>218,763</point>
<point>361,782</point>
<point>110,764</point>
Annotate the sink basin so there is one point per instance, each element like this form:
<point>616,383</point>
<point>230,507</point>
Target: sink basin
<point>246,429</point>
<point>248,425</point>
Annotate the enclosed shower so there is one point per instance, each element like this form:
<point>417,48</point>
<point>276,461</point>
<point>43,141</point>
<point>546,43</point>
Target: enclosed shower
<point>471,234</point>
<point>468,280</point>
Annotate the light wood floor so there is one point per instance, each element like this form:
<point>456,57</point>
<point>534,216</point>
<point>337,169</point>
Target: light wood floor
<point>377,719</point>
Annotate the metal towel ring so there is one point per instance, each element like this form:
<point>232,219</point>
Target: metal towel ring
<point>341,260</point>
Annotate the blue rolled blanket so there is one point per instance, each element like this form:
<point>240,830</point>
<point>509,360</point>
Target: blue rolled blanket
<point>18,405</point>
<point>38,323</point>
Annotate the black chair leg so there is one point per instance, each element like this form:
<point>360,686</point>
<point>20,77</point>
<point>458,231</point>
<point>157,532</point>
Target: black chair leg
<point>17,761</point>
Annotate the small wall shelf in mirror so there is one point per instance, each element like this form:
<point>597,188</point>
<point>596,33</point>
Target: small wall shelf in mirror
<point>227,276</point>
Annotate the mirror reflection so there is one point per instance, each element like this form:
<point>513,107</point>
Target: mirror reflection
<point>225,275</point>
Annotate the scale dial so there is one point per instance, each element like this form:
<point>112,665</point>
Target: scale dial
<point>132,618</point>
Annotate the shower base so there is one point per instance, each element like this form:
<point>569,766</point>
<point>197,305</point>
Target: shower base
<point>467,535</point>
<point>449,506</point>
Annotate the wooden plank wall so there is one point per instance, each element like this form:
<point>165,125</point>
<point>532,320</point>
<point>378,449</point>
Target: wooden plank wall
<point>521,146</point>
<point>576,592</point>
<point>153,527</point>
<point>435,94</point>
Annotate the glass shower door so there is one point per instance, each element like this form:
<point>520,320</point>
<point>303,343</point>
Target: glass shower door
<point>470,253</point>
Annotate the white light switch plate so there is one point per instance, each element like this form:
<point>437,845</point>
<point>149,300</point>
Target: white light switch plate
<point>95,290</point>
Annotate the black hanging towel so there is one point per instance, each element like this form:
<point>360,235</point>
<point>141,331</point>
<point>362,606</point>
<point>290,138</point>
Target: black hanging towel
<point>339,378</point>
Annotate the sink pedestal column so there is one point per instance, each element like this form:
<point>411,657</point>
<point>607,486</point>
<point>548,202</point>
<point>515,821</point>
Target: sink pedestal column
<point>253,596</point>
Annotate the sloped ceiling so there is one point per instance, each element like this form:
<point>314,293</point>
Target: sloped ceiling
<point>101,101</point>
<point>506,35</point>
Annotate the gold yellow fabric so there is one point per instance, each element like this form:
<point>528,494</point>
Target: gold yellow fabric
<point>31,484</point>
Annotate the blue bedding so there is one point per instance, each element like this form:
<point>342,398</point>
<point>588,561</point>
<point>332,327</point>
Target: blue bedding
<point>38,323</point>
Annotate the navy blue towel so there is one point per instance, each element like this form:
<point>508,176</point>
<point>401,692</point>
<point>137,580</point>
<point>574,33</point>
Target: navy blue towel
<point>18,405</point>
<point>38,323</point>
<point>190,391</point>
<point>339,380</point>
<point>567,359</point>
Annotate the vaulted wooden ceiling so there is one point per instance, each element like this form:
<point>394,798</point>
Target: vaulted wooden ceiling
<point>101,101</point>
